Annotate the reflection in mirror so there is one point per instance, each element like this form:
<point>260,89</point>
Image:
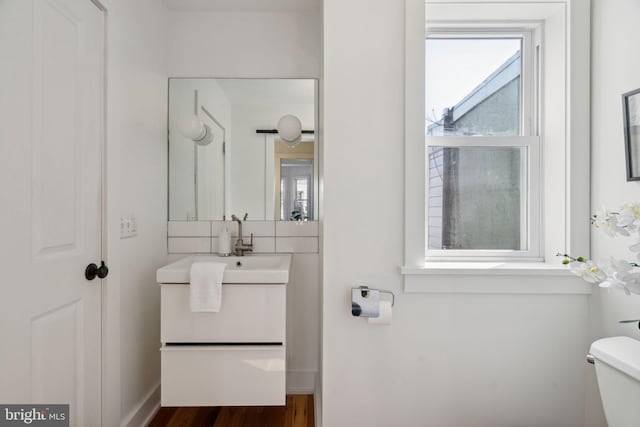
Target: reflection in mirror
<point>294,181</point>
<point>246,167</point>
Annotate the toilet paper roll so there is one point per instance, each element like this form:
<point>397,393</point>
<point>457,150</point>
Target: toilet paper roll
<point>386,314</point>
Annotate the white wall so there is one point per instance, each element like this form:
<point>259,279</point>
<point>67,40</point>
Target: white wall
<point>137,96</point>
<point>448,359</point>
<point>614,71</point>
<point>244,44</point>
<point>262,45</point>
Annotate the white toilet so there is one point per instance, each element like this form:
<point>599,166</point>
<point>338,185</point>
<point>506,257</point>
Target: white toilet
<point>617,362</point>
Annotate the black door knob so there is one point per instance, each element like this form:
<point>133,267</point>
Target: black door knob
<point>92,271</point>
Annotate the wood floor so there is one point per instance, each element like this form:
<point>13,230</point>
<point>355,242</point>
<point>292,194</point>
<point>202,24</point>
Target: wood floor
<point>297,413</point>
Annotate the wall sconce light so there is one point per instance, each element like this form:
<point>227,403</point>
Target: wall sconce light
<point>290,130</point>
<point>193,128</point>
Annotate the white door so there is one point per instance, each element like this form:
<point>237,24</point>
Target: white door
<point>51,139</point>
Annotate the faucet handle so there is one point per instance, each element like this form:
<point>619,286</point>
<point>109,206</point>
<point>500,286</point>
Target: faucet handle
<point>251,242</point>
<point>246,215</point>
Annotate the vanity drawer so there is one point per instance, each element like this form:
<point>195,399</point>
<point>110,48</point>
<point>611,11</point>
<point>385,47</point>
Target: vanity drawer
<point>223,375</point>
<point>253,313</point>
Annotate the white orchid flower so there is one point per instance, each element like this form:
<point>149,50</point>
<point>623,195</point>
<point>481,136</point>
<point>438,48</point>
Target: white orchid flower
<point>633,283</point>
<point>629,216</point>
<point>609,223</point>
<point>613,283</point>
<point>621,274</point>
<point>613,266</point>
<point>588,271</point>
<point>630,282</point>
<point>613,273</point>
<point>636,249</point>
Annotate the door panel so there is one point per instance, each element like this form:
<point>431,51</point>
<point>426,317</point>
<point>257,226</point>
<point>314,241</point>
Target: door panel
<point>51,137</point>
<point>56,129</point>
<point>56,355</point>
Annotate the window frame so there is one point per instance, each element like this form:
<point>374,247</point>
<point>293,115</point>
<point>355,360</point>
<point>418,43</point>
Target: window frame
<point>527,138</point>
<point>564,116</point>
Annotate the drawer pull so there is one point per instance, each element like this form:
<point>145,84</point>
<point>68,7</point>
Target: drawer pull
<point>220,344</point>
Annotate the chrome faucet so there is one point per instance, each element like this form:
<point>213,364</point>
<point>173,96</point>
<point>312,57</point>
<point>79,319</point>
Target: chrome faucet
<point>239,248</point>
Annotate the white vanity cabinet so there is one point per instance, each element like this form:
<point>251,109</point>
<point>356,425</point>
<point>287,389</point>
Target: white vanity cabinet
<point>233,357</point>
<point>250,313</point>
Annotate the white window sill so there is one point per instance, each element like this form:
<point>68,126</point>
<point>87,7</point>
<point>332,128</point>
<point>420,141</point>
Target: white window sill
<point>493,278</point>
<point>487,269</point>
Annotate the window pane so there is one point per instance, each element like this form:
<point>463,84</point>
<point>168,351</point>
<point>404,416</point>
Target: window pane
<point>476,198</point>
<point>473,86</point>
<point>296,190</point>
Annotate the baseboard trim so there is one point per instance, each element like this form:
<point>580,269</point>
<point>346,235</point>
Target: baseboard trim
<point>145,410</point>
<point>301,381</point>
<point>317,402</point>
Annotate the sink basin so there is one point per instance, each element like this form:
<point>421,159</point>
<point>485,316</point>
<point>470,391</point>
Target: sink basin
<point>245,269</point>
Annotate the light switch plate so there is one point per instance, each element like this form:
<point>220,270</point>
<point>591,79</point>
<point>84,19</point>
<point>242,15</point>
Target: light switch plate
<point>128,226</point>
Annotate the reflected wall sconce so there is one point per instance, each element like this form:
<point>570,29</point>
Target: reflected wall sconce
<point>193,128</point>
<point>290,130</point>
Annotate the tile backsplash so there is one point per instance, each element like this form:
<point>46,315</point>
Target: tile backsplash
<point>198,237</point>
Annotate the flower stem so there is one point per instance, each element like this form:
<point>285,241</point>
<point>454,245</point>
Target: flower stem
<point>570,258</point>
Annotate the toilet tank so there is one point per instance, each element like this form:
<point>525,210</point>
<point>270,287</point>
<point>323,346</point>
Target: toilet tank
<point>617,362</point>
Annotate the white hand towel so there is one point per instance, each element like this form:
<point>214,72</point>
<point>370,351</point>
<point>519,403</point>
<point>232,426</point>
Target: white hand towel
<point>205,286</point>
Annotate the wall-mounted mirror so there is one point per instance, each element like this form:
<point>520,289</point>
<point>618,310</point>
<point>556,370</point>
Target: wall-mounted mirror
<point>226,155</point>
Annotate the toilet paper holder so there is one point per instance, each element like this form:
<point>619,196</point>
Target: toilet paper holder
<point>364,291</point>
<point>365,301</point>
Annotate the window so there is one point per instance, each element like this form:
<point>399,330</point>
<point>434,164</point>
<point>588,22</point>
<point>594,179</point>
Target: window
<point>497,170</point>
<point>296,189</point>
<point>482,198</point>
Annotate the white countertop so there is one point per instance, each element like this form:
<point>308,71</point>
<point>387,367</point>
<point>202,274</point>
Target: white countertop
<point>246,269</point>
